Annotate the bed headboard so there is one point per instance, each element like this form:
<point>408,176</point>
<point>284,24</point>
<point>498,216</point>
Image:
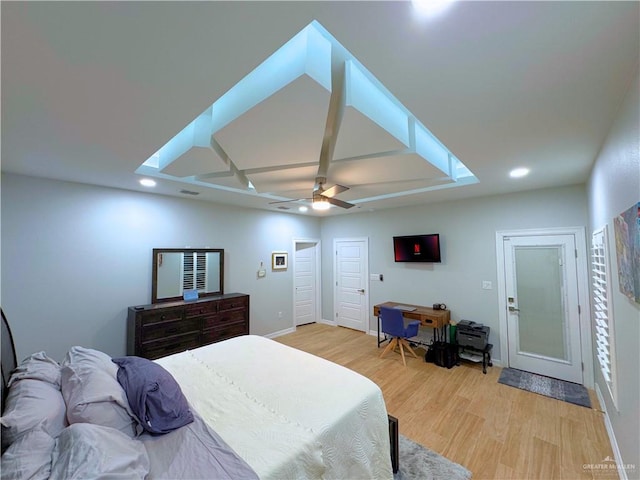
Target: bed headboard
<point>7,355</point>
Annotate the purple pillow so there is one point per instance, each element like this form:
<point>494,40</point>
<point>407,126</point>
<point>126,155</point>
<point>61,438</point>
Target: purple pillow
<point>154,395</point>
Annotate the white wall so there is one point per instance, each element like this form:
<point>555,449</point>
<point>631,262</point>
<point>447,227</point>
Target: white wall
<point>468,241</point>
<point>74,257</point>
<point>614,186</point>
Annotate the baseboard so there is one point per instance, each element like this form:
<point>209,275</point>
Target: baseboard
<point>293,329</point>
<point>622,472</point>
<point>280,333</point>
<point>329,322</point>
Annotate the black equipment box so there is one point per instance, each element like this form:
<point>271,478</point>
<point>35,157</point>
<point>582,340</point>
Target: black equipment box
<point>472,334</point>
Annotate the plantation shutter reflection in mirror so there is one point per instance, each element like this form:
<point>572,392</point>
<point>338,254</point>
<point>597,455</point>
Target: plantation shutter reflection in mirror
<point>194,271</point>
<point>200,270</point>
<point>187,270</point>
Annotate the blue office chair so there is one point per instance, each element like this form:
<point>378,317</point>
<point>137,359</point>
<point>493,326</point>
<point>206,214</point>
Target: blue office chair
<point>392,324</point>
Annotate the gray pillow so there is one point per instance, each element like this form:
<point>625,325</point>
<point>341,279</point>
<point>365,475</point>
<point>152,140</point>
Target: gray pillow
<point>93,451</point>
<point>90,358</point>
<point>38,366</point>
<point>29,457</point>
<point>92,392</point>
<point>154,395</point>
<point>31,403</point>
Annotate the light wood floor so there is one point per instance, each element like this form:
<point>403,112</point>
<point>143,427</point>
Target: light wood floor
<point>496,431</point>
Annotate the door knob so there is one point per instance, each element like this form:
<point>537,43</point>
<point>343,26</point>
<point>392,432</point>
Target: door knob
<point>361,290</point>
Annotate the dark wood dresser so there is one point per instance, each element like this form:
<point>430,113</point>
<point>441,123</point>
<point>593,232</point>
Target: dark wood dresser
<point>161,329</point>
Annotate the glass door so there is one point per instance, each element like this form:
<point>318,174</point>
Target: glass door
<point>543,326</point>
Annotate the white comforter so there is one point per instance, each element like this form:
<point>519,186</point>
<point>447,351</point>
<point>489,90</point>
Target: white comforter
<point>288,413</point>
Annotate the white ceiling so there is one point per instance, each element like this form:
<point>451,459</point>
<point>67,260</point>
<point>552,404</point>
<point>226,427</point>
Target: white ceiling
<point>92,90</point>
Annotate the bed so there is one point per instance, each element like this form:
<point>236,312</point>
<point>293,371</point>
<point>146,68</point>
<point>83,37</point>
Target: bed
<point>259,409</point>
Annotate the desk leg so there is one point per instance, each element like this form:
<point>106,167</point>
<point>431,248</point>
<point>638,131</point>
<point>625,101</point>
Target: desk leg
<point>380,342</point>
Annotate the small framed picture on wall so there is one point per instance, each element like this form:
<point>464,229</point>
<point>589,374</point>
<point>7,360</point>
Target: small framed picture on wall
<point>279,260</point>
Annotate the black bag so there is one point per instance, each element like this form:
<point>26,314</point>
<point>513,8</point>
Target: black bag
<point>442,354</point>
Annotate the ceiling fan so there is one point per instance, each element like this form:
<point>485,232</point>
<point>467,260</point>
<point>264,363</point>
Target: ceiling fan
<point>322,198</point>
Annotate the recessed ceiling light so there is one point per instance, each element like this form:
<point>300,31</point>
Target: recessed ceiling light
<point>519,172</point>
<point>430,7</point>
<point>147,182</point>
<point>302,208</point>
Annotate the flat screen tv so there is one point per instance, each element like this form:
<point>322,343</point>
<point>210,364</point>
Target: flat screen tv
<point>417,248</point>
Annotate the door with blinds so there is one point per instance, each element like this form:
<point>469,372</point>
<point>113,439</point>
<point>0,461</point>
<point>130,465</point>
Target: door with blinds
<point>543,311</point>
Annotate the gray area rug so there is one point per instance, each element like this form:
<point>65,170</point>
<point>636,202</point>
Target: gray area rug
<point>420,463</point>
<point>549,387</point>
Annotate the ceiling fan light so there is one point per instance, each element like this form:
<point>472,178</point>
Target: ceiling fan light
<point>321,204</point>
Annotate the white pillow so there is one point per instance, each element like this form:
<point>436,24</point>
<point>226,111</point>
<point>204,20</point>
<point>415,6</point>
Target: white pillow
<point>92,392</point>
<point>31,403</point>
<point>29,457</point>
<point>92,451</point>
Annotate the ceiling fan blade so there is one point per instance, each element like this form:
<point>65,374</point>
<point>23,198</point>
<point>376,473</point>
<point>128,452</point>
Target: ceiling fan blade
<point>334,190</point>
<point>339,203</point>
<point>289,201</point>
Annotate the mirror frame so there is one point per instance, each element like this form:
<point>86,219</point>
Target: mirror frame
<point>154,275</point>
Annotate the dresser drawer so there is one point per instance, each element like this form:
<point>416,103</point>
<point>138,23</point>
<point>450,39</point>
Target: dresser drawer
<point>232,303</point>
<point>167,346</point>
<point>231,316</point>
<point>169,328</point>
<point>224,318</point>
<point>211,335</point>
<point>165,315</point>
<point>200,309</point>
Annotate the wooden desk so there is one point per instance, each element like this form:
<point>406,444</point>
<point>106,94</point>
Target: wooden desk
<point>436,319</point>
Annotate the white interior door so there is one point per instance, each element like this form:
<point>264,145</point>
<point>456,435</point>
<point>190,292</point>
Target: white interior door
<point>351,297</point>
<point>543,317</point>
<point>305,297</point>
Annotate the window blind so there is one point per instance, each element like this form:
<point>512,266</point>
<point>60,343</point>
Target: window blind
<point>603,324</point>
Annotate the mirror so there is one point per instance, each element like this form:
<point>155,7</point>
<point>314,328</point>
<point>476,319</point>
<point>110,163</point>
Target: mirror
<point>178,269</point>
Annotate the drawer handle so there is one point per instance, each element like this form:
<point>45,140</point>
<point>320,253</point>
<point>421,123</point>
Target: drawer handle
<point>162,317</point>
<point>172,330</point>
